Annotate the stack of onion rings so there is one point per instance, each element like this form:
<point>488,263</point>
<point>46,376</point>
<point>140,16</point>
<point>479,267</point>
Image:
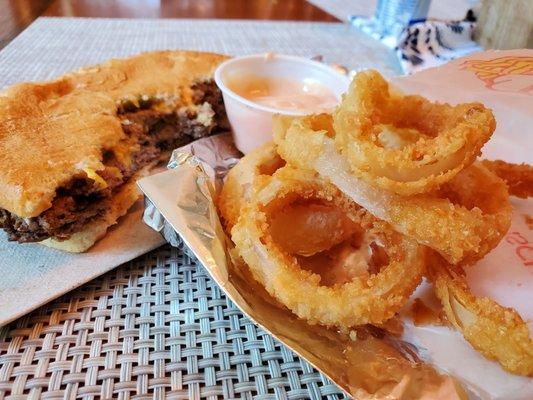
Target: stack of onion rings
<point>399,167</point>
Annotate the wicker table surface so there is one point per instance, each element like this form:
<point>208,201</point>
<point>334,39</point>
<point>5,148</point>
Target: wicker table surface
<point>157,327</point>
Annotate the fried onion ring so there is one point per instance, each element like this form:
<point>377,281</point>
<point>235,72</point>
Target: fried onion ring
<point>407,144</point>
<point>239,181</point>
<point>372,298</point>
<point>499,333</point>
<point>518,177</point>
<point>463,221</point>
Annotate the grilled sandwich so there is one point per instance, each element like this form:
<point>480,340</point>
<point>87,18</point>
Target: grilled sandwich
<point>72,148</point>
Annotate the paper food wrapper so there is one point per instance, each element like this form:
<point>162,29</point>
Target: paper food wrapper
<point>421,362</point>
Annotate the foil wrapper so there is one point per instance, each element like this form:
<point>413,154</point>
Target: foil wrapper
<point>367,363</point>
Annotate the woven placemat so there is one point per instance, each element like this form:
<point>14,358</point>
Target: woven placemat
<point>157,327</point>
<point>51,46</point>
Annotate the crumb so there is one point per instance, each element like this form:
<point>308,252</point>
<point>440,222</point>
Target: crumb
<point>423,315</point>
<point>394,326</point>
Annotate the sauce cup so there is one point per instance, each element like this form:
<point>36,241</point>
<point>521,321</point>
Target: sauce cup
<point>252,122</point>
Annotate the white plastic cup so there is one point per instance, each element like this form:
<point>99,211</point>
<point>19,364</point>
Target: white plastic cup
<point>251,122</point>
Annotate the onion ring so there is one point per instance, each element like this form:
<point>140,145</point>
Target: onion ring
<point>407,144</point>
<point>463,225</point>
<point>373,298</point>
<point>499,333</point>
<point>518,177</point>
<point>239,181</point>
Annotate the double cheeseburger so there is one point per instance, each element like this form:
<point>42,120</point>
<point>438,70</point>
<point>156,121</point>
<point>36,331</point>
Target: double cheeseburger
<point>72,148</point>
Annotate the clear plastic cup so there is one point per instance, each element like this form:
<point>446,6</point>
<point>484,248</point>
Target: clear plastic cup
<point>251,122</point>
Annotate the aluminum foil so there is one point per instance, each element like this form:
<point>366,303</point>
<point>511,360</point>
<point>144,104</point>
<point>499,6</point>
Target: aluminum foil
<point>367,363</point>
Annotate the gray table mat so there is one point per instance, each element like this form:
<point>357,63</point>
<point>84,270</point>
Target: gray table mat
<point>155,328</point>
<point>51,46</point>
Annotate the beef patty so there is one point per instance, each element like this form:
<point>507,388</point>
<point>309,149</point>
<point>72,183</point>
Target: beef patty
<point>151,132</point>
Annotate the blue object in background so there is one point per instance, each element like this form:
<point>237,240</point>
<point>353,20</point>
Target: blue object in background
<point>392,16</point>
<point>418,42</point>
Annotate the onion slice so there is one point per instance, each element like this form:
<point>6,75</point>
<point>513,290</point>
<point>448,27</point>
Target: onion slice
<point>518,177</point>
<point>497,332</point>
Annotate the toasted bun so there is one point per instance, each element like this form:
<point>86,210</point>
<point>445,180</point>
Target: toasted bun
<point>51,131</point>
